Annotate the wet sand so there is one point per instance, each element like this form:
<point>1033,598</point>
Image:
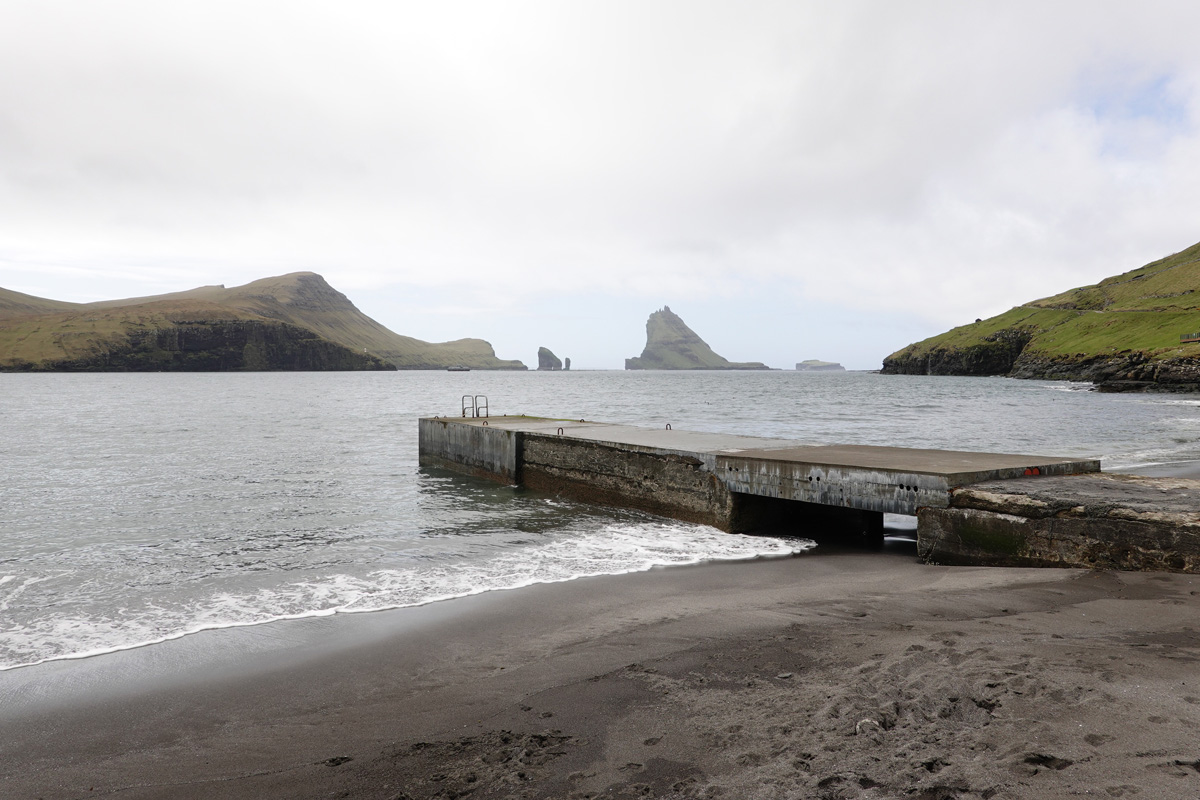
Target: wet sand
<point>828,675</point>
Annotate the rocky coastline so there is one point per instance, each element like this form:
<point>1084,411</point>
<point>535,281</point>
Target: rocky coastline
<point>1129,332</point>
<point>214,345</point>
<point>1129,371</point>
<point>288,322</point>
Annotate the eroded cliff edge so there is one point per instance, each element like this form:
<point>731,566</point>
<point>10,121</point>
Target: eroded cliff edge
<point>289,322</point>
<point>1126,333</point>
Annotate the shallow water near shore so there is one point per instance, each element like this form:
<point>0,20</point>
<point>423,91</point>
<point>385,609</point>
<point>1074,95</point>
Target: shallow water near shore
<point>141,507</point>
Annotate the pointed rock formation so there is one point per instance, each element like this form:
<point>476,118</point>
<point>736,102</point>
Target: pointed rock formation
<point>671,344</point>
<point>547,360</point>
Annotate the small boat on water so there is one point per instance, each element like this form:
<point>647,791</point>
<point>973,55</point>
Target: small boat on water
<point>458,369</point>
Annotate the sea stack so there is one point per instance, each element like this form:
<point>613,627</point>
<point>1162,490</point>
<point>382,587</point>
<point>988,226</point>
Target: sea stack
<point>547,361</point>
<point>671,344</point>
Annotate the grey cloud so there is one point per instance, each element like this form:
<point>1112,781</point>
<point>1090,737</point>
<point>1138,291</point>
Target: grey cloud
<point>626,147</point>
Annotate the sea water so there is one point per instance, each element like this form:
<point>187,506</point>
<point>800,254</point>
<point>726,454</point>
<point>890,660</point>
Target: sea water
<point>137,508</point>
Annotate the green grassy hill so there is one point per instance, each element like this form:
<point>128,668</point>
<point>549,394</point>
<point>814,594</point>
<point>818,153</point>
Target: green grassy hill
<point>295,321</point>
<point>1120,332</point>
<point>671,344</point>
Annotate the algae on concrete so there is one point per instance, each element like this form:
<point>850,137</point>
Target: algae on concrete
<point>671,344</point>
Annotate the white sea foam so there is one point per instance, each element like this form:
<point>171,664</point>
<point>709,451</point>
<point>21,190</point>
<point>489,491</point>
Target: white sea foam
<point>7,598</point>
<point>197,502</point>
<point>613,550</point>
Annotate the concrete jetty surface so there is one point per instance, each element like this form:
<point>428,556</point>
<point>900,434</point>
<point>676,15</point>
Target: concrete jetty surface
<point>972,508</point>
<point>645,467</point>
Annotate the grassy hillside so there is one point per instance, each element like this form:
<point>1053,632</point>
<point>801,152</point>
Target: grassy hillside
<point>1135,318</point>
<point>671,344</point>
<point>14,304</point>
<point>307,320</point>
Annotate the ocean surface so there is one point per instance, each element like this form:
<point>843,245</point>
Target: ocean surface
<point>137,508</point>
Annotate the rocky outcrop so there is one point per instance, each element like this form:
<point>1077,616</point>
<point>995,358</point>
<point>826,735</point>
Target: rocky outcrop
<point>671,344</point>
<point>996,354</point>
<point>1126,372</point>
<point>814,365</point>
<point>1129,371</point>
<point>566,364</point>
<point>547,361</point>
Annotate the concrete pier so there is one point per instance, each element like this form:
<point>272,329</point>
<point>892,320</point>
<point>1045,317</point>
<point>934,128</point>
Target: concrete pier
<point>1105,521</point>
<point>735,483</point>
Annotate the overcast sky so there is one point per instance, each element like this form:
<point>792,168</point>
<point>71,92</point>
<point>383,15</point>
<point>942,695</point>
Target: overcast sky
<point>796,180</point>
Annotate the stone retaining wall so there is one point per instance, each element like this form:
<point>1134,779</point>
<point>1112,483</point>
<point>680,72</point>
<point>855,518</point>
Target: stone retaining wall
<point>1102,521</point>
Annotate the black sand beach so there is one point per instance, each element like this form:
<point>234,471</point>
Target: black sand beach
<point>834,675</point>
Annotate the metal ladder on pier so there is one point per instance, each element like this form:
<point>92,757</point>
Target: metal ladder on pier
<point>474,405</point>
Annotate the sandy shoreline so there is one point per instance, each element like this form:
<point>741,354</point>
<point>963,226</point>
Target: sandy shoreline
<point>825,675</point>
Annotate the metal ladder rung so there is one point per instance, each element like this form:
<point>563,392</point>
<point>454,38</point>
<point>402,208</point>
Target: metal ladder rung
<point>476,404</point>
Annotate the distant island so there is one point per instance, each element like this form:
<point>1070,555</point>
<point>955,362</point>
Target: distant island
<point>813,365</point>
<point>290,322</point>
<point>670,344</point>
<point>1138,331</point>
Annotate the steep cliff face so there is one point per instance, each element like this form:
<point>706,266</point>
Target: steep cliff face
<point>994,354</point>
<point>208,346</point>
<point>547,361</point>
<point>671,344</point>
<point>1122,334</point>
<point>286,322</point>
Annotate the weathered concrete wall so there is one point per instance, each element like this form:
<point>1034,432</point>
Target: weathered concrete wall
<point>738,484</point>
<point>480,450</point>
<point>678,486</point>
<point>1094,521</point>
<point>864,489</point>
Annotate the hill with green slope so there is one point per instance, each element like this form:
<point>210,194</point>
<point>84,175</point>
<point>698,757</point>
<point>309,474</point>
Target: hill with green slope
<point>1122,334</point>
<point>289,322</point>
<point>15,304</point>
<point>671,344</point>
